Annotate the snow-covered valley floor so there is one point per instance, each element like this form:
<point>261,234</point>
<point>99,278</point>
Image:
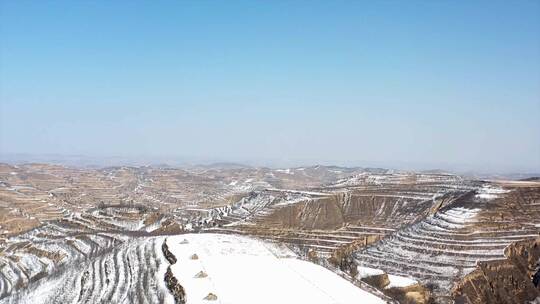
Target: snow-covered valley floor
<point>237,269</point>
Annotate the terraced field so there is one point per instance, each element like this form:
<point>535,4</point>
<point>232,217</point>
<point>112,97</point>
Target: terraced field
<point>326,218</point>
<point>42,251</point>
<point>96,235</point>
<point>433,232</point>
<point>447,245</point>
<point>127,273</point>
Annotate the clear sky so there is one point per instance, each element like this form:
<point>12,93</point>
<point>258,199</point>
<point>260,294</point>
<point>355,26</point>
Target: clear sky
<point>427,83</point>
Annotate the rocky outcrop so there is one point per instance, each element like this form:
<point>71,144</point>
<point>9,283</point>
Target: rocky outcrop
<point>343,259</point>
<point>414,294</point>
<point>174,287</point>
<point>379,281</point>
<point>210,297</point>
<point>201,274</point>
<point>168,255</point>
<point>168,226</point>
<point>506,281</point>
<point>171,282</point>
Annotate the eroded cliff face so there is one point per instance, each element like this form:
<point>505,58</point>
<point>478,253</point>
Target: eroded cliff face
<point>356,207</point>
<point>506,281</point>
<point>322,213</point>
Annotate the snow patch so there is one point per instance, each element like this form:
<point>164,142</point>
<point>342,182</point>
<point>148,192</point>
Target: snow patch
<point>489,192</point>
<point>399,281</point>
<point>241,269</point>
<point>286,171</point>
<point>364,272</point>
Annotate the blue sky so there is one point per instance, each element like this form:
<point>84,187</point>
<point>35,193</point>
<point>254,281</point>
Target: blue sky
<point>394,83</point>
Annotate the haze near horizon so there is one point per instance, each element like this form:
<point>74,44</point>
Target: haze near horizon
<point>432,84</point>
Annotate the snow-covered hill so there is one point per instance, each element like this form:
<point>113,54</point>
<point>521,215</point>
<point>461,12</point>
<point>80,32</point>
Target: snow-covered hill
<point>237,269</point>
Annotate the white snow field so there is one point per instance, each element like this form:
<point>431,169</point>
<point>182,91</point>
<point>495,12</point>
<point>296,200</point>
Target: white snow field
<point>240,269</point>
<point>399,281</point>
